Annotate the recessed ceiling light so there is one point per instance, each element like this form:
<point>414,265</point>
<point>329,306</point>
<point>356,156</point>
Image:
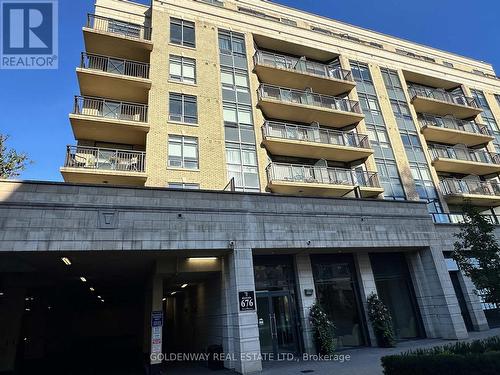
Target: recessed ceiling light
<point>92,289</point>
<point>184,285</point>
<point>102,300</point>
<point>28,310</point>
<point>172,293</point>
<point>99,297</point>
<point>83,279</point>
<point>202,258</point>
<point>164,299</point>
<point>66,261</point>
<point>1,294</point>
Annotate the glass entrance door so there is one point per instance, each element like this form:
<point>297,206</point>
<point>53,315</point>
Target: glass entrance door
<point>277,322</point>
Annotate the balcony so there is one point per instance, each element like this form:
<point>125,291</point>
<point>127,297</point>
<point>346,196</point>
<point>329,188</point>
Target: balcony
<point>286,71</point>
<point>474,192</point>
<point>440,102</point>
<point>314,142</point>
<point>464,160</point>
<point>111,121</point>
<point>453,131</point>
<point>109,77</point>
<point>105,35</point>
<point>104,166</point>
<point>295,179</point>
<point>307,107</point>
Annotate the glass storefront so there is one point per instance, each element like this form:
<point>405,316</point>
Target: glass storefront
<point>276,304</point>
<point>395,289</point>
<point>337,291</point>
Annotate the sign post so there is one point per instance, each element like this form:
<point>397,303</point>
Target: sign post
<point>156,336</point>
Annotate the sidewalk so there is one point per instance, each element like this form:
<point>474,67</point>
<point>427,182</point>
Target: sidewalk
<point>363,361</point>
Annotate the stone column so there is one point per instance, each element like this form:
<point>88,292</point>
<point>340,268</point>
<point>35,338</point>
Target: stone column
<point>11,314</point>
<point>241,332</point>
<point>305,281</point>
<point>476,312</point>
<point>366,287</point>
<point>154,303</point>
<point>422,294</point>
<point>435,295</point>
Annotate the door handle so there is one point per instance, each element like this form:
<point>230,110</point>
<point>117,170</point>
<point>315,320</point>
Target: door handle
<point>274,327</point>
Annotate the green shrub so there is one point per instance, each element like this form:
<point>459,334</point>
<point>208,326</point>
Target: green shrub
<point>443,364</point>
<point>324,330</point>
<point>381,321</point>
<point>461,358</point>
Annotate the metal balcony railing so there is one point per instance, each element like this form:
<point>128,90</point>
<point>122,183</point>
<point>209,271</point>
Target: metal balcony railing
<point>279,61</point>
<point>119,27</point>
<point>321,175</point>
<point>308,98</point>
<point>463,153</point>
<point>450,122</point>
<point>105,159</point>
<point>468,186</point>
<point>110,109</point>
<point>446,218</point>
<point>272,129</point>
<point>442,95</point>
<point>114,65</point>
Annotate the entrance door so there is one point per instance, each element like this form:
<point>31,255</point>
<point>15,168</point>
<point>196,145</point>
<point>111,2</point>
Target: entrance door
<point>461,300</point>
<point>277,322</point>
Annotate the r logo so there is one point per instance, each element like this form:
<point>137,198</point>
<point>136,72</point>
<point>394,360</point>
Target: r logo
<point>29,34</point>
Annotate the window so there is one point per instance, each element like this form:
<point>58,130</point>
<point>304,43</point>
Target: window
<point>182,32</point>
<point>182,185</point>
<point>182,152</point>
<point>183,108</point>
<point>232,50</point>
<point>321,30</point>
<point>235,86</point>
<point>182,69</point>
<point>218,3</point>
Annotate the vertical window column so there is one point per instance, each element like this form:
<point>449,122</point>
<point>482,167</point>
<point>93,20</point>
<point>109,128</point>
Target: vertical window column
<point>377,132</point>
<point>241,155</point>
<point>413,147</point>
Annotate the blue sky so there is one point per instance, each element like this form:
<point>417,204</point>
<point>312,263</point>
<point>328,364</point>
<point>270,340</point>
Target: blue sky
<point>35,104</point>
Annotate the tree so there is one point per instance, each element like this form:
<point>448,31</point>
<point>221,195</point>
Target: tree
<point>477,253</point>
<point>12,163</point>
<point>324,330</point>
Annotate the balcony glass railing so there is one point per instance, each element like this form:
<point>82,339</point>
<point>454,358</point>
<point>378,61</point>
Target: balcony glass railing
<point>445,218</point>
<point>468,186</point>
<point>115,66</point>
<point>282,130</point>
<point>279,61</point>
<point>442,95</point>
<point>453,123</point>
<point>321,175</point>
<point>110,109</point>
<point>465,154</point>
<point>105,159</point>
<point>118,27</point>
<point>308,98</point>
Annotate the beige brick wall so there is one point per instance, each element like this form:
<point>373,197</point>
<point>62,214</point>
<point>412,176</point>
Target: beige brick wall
<point>212,173</point>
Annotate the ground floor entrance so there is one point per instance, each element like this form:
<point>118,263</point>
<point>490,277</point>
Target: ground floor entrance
<point>277,323</point>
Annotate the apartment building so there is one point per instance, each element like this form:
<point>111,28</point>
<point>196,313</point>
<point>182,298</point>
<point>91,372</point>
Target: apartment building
<point>329,162</point>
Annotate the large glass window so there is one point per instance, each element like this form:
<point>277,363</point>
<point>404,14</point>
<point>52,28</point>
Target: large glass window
<point>395,289</point>
<point>182,152</point>
<point>487,116</point>
<point>182,32</point>
<point>409,136</point>
<point>377,132</point>
<point>241,155</point>
<point>182,69</point>
<point>337,291</point>
<point>183,108</point>
<point>183,185</point>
